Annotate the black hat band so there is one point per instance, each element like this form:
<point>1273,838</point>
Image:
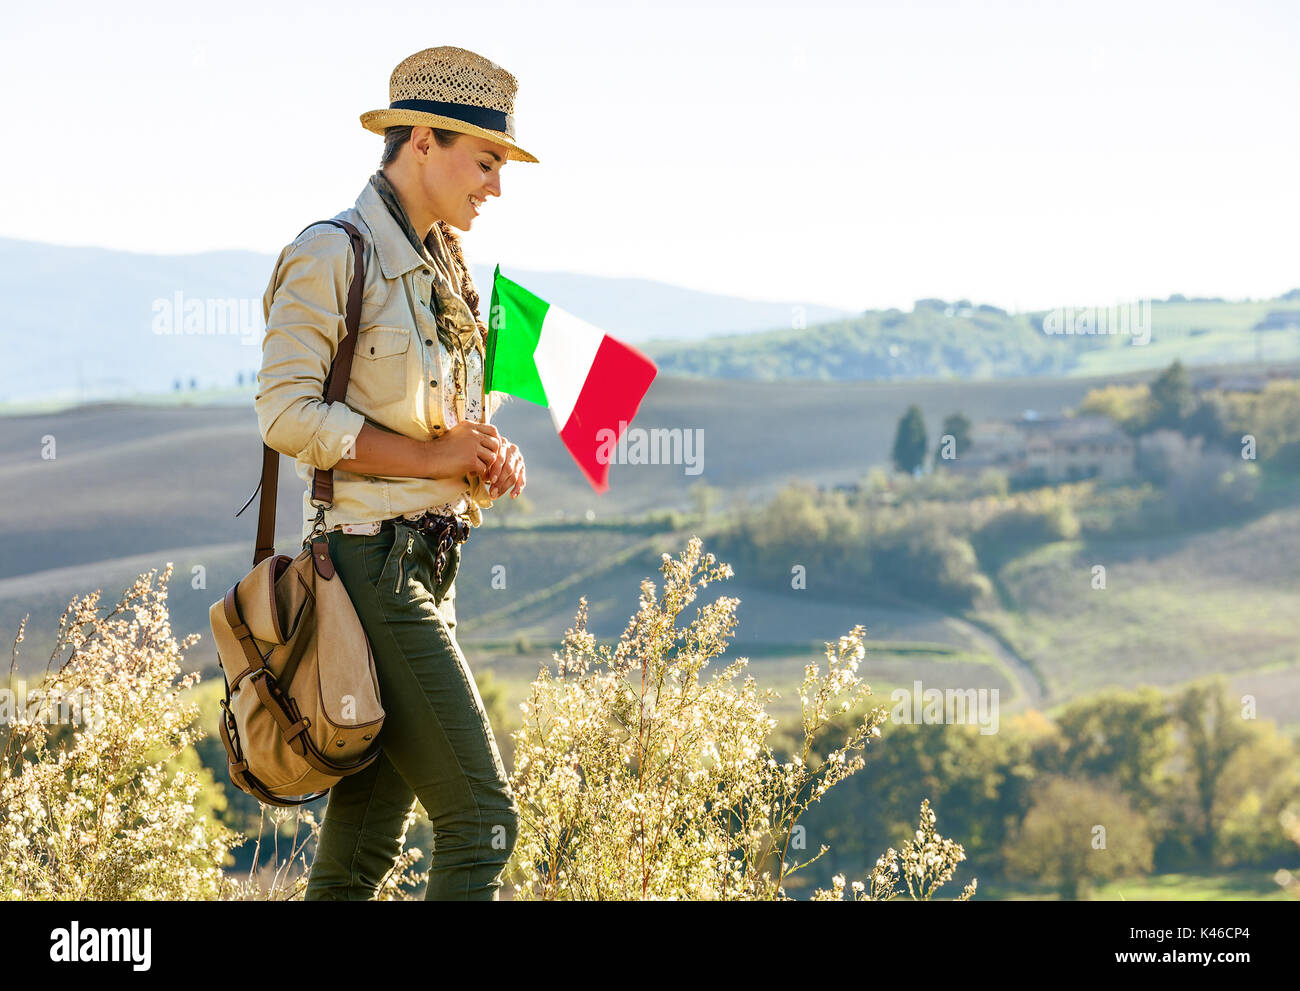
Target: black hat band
<point>484,117</point>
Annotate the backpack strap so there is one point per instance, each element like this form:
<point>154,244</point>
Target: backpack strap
<point>243,778</point>
<point>336,387</point>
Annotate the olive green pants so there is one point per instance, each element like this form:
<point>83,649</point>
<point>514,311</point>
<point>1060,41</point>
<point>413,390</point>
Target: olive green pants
<point>437,744</point>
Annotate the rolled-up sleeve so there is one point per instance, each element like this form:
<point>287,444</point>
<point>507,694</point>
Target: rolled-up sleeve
<point>304,307</point>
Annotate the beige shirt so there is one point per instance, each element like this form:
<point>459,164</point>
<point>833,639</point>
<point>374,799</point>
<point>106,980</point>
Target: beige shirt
<point>401,376</point>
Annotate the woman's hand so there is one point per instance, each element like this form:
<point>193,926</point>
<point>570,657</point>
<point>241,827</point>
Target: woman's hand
<point>468,447</point>
<point>506,471</point>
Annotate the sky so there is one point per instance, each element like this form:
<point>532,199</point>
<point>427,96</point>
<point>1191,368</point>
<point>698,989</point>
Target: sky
<point>860,155</point>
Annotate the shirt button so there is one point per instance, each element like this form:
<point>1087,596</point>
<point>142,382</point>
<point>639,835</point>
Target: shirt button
<point>433,381</point>
<point>424,271</point>
<point>428,342</point>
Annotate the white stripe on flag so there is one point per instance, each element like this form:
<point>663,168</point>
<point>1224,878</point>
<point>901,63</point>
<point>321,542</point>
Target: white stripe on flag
<point>565,352</point>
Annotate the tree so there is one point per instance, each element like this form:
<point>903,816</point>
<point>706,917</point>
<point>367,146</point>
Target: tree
<point>1172,399</point>
<point>1127,405</point>
<point>1260,779</point>
<point>978,781</point>
<point>1124,735</point>
<point>1213,731</point>
<point>1078,832</point>
<point>958,426</point>
<point>1208,420</point>
<point>910,441</point>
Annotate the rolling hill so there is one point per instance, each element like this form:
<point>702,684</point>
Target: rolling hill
<point>132,487</point>
<point>939,340</point>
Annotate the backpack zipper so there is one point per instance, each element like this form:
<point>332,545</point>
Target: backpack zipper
<point>410,546</point>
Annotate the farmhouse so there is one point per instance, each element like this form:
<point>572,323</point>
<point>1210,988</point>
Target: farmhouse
<point>1050,449</point>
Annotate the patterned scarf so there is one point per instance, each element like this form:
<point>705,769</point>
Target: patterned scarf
<point>451,313</point>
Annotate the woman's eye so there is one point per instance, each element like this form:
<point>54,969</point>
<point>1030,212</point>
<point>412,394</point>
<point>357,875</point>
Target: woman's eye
<point>484,167</point>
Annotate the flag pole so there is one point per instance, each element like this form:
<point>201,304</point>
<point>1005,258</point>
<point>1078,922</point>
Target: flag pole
<point>489,349</point>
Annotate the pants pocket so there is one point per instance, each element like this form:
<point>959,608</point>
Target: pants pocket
<point>399,545</point>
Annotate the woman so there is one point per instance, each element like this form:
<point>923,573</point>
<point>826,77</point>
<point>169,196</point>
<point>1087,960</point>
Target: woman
<point>414,463</point>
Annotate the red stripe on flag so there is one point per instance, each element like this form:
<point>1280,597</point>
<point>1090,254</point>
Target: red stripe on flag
<point>612,392</point>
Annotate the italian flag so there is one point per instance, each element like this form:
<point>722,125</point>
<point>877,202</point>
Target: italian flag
<point>592,383</point>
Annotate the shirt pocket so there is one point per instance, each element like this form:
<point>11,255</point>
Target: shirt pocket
<point>379,377</point>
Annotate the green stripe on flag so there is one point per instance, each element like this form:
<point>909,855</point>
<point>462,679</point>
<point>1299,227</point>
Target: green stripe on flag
<point>516,317</point>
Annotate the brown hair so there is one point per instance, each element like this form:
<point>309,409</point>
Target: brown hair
<point>394,139</point>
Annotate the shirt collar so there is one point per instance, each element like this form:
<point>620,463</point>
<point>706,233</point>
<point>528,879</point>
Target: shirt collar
<point>396,254</point>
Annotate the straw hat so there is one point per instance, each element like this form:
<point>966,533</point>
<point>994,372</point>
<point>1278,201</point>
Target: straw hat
<point>452,88</point>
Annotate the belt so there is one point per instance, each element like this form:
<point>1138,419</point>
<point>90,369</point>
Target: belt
<point>439,530</point>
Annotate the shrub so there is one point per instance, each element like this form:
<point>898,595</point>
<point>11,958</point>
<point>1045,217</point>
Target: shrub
<point>1041,520</point>
<point>932,565</point>
<point>1200,486</point>
<point>638,779</point>
<point>97,812</point>
<point>1271,417</point>
<point>121,808</point>
<point>928,863</point>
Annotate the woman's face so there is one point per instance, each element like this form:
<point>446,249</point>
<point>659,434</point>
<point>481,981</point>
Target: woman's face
<point>458,180</point>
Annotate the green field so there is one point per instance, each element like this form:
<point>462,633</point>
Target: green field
<point>1173,609</point>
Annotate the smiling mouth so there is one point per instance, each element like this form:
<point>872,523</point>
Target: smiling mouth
<point>474,205</point>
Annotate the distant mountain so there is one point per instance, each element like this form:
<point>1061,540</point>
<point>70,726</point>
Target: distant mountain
<point>88,323</point>
<point>639,310</point>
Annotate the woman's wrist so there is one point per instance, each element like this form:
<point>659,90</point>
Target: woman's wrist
<point>433,458</point>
